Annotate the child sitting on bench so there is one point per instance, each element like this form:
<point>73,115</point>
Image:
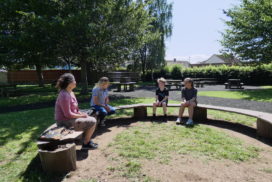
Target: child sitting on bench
<point>100,99</point>
<point>162,94</point>
<point>189,95</point>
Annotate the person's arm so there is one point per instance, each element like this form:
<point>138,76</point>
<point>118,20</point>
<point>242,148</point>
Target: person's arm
<point>165,99</point>
<point>183,95</point>
<point>194,96</point>
<point>166,96</point>
<point>157,97</point>
<point>107,100</point>
<point>65,106</point>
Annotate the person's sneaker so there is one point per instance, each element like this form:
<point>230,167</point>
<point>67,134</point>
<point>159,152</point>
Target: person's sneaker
<point>102,123</point>
<point>178,121</point>
<point>90,145</point>
<point>189,122</point>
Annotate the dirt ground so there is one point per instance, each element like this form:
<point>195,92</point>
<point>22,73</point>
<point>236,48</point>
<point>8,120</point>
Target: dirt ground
<point>94,164</point>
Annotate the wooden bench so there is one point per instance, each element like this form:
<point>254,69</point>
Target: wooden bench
<point>199,84</point>
<point>7,89</point>
<point>128,86</point>
<point>236,83</point>
<point>264,120</point>
<point>176,83</point>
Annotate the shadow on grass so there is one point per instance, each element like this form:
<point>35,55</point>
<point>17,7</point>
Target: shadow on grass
<point>237,127</point>
<point>261,94</point>
<point>240,128</point>
<point>34,172</point>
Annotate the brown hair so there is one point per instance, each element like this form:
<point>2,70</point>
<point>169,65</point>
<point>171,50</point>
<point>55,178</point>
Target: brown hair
<point>64,80</point>
<point>189,80</point>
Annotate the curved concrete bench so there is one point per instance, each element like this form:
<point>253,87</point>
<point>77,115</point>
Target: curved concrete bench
<point>264,120</point>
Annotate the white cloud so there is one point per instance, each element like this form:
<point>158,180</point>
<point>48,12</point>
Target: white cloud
<point>191,58</point>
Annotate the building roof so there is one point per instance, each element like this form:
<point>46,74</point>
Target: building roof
<point>177,61</point>
<point>220,59</point>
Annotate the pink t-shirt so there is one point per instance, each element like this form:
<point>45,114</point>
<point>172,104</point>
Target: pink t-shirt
<point>66,106</point>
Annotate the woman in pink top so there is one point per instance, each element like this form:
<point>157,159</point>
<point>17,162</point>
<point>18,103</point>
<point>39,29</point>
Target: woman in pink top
<point>67,112</point>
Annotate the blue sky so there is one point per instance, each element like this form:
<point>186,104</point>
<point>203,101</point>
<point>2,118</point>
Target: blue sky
<point>196,28</point>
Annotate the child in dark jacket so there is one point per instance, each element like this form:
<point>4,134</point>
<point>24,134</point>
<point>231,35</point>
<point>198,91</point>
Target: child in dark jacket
<point>162,94</point>
<point>189,96</point>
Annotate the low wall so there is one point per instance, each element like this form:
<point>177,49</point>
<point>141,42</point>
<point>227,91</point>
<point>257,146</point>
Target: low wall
<point>3,77</point>
<point>30,76</point>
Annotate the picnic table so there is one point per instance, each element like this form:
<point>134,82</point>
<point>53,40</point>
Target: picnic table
<point>128,86</point>
<point>6,89</point>
<point>234,83</point>
<point>126,82</point>
<point>177,83</point>
<point>199,82</point>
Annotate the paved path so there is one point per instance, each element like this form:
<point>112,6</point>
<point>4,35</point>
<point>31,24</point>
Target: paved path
<point>176,95</point>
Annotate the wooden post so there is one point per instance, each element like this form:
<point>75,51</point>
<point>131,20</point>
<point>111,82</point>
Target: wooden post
<point>140,112</point>
<point>200,114</point>
<point>264,128</point>
<point>119,87</point>
<point>59,160</point>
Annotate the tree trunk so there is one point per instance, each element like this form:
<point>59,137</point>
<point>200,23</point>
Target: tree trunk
<point>69,66</point>
<point>143,59</point>
<point>40,75</point>
<point>84,77</point>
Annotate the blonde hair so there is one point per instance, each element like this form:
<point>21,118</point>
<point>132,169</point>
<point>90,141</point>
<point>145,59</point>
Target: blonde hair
<point>102,81</point>
<point>189,80</point>
<point>161,80</point>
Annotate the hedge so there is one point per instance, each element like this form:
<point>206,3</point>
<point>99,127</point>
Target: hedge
<point>252,75</point>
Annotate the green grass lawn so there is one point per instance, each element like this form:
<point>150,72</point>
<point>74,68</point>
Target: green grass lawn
<point>264,95</point>
<point>160,141</point>
<point>32,94</point>
<point>19,131</point>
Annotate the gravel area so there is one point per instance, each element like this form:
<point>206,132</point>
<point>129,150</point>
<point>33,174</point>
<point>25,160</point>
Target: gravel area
<point>149,91</point>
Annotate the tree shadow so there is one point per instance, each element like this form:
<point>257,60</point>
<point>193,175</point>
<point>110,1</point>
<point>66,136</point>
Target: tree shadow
<point>34,172</point>
<point>261,94</point>
<point>237,127</point>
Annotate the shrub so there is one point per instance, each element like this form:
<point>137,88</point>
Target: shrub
<point>176,72</point>
<point>253,75</point>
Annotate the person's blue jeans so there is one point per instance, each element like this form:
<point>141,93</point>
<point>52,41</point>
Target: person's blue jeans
<point>103,112</point>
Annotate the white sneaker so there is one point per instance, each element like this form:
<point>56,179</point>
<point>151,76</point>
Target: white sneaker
<point>189,122</point>
<point>178,121</point>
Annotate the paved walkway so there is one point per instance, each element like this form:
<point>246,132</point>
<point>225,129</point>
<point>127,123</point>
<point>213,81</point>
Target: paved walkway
<point>176,95</point>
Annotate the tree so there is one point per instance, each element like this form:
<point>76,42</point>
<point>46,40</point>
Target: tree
<point>94,34</point>
<point>26,34</point>
<point>152,53</point>
<point>101,34</point>
<point>249,31</point>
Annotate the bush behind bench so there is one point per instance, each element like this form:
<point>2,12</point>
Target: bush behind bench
<point>249,74</point>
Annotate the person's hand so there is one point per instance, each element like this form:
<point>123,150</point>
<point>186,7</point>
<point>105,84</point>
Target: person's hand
<point>186,103</point>
<point>84,115</point>
<point>107,108</point>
